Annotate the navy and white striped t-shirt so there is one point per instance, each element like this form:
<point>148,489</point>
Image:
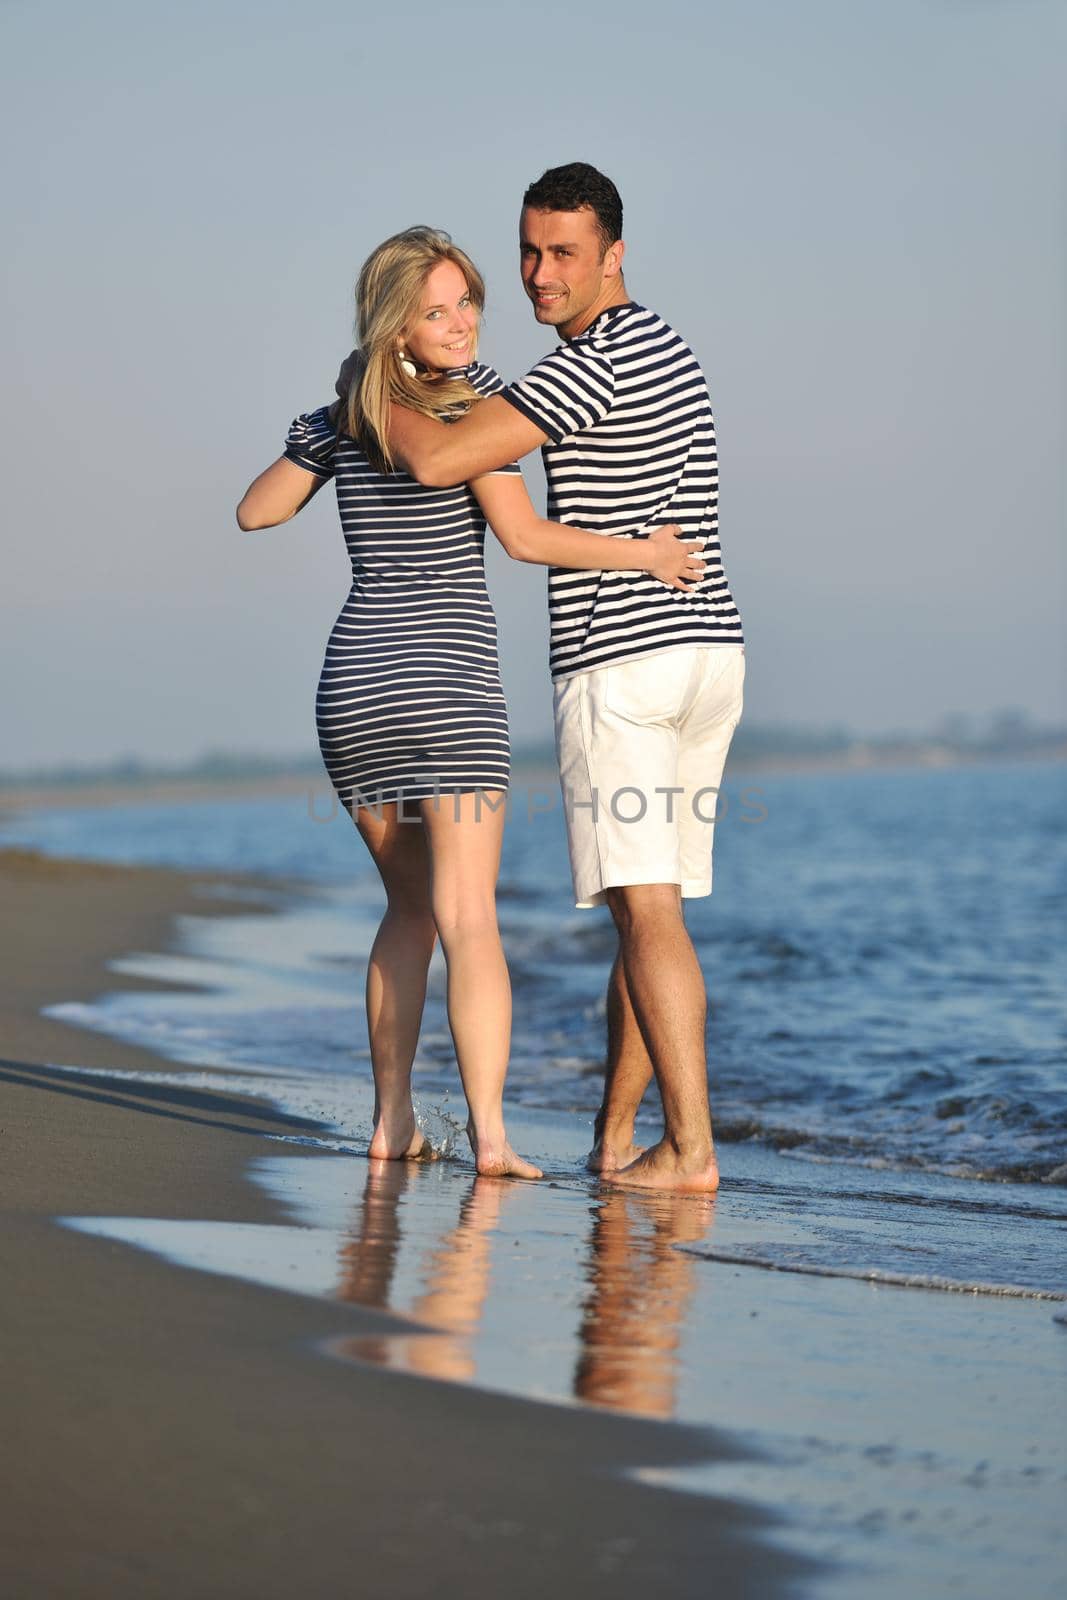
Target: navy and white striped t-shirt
<point>626,407</point>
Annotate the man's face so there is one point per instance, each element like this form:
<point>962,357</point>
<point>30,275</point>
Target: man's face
<point>566,270</point>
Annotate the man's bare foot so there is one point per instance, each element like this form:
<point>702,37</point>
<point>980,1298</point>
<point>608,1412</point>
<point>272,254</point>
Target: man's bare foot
<point>664,1167</point>
<point>399,1140</point>
<point>494,1158</point>
<point>608,1157</point>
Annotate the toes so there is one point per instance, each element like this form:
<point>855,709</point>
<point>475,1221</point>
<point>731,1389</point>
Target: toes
<point>518,1167</point>
<point>508,1165</point>
<point>525,1169</point>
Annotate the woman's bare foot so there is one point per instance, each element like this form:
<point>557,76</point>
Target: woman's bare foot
<point>494,1157</point>
<point>608,1157</point>
<point>399,1139</point>
<point>666,1167</point>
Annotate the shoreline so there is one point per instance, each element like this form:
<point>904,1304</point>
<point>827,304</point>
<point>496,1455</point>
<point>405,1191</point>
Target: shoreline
<point>185,1430</point>
<point>66,919</point>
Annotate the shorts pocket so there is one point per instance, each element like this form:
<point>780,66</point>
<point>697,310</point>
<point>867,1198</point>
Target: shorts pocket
<point>648,690</point>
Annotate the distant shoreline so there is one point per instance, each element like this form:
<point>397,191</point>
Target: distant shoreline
<point>176,789</point>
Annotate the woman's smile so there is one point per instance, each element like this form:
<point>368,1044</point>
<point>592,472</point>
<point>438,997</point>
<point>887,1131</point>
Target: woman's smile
<point>444,331</point>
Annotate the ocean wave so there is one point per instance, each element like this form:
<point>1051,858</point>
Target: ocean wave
<point>875,1275</point>
<point>883,1147</point>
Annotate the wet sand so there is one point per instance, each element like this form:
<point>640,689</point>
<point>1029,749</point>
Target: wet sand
<point>177,1433</point>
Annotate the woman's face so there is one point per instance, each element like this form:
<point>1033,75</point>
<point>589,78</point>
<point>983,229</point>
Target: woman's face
<point>442,333</point>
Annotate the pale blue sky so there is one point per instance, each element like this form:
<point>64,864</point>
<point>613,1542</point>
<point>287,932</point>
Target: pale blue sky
<point>851,209</point>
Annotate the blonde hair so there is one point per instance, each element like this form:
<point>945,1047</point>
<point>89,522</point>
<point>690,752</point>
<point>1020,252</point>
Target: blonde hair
<point>390,287</point>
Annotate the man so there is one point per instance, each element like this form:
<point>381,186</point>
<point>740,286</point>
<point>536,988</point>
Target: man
<point>647,680</point>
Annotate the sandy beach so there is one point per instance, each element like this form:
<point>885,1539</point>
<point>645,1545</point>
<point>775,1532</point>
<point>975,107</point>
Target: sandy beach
<point>241,1360</point>
<point>172,1433</point>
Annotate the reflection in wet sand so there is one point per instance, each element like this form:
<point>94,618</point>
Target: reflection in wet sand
<point>630,1304</point>
<point>368,1256</point>
<point>639,1290</point>
<point>454,1275</point>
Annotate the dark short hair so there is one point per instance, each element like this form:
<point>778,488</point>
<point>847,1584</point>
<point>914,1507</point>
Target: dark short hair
<point>576,185</point>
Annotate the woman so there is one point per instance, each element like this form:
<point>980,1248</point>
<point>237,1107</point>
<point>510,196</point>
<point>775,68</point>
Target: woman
<point>411,717</point>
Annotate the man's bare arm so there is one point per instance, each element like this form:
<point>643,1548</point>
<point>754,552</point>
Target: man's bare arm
<point>439,454</point>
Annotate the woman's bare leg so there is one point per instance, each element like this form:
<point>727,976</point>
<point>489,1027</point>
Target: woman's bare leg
<point>396,975</point>
<point>464,836</point>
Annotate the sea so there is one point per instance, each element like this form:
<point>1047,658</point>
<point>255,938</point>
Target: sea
<point>884,952</point>
<point>887,1040</point>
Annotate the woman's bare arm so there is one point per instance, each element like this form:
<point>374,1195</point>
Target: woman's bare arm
<point>528,537</point>
<point>277,494</point>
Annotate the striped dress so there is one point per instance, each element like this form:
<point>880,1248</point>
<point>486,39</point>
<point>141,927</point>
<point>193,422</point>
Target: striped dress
<point>409,701</point>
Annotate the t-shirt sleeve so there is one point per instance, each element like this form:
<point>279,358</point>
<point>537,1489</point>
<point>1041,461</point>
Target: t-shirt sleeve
<point>488,381</point>
<point>568,391</point>
<point>312,442</point>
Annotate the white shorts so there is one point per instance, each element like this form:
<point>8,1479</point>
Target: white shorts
<point>641,750</point>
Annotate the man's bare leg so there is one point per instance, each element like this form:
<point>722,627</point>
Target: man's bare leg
<point>627,1076</point>
<point>666,986</point>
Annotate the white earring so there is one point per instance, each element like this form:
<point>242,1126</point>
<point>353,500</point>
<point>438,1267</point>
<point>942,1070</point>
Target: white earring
<point>406,364</point>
